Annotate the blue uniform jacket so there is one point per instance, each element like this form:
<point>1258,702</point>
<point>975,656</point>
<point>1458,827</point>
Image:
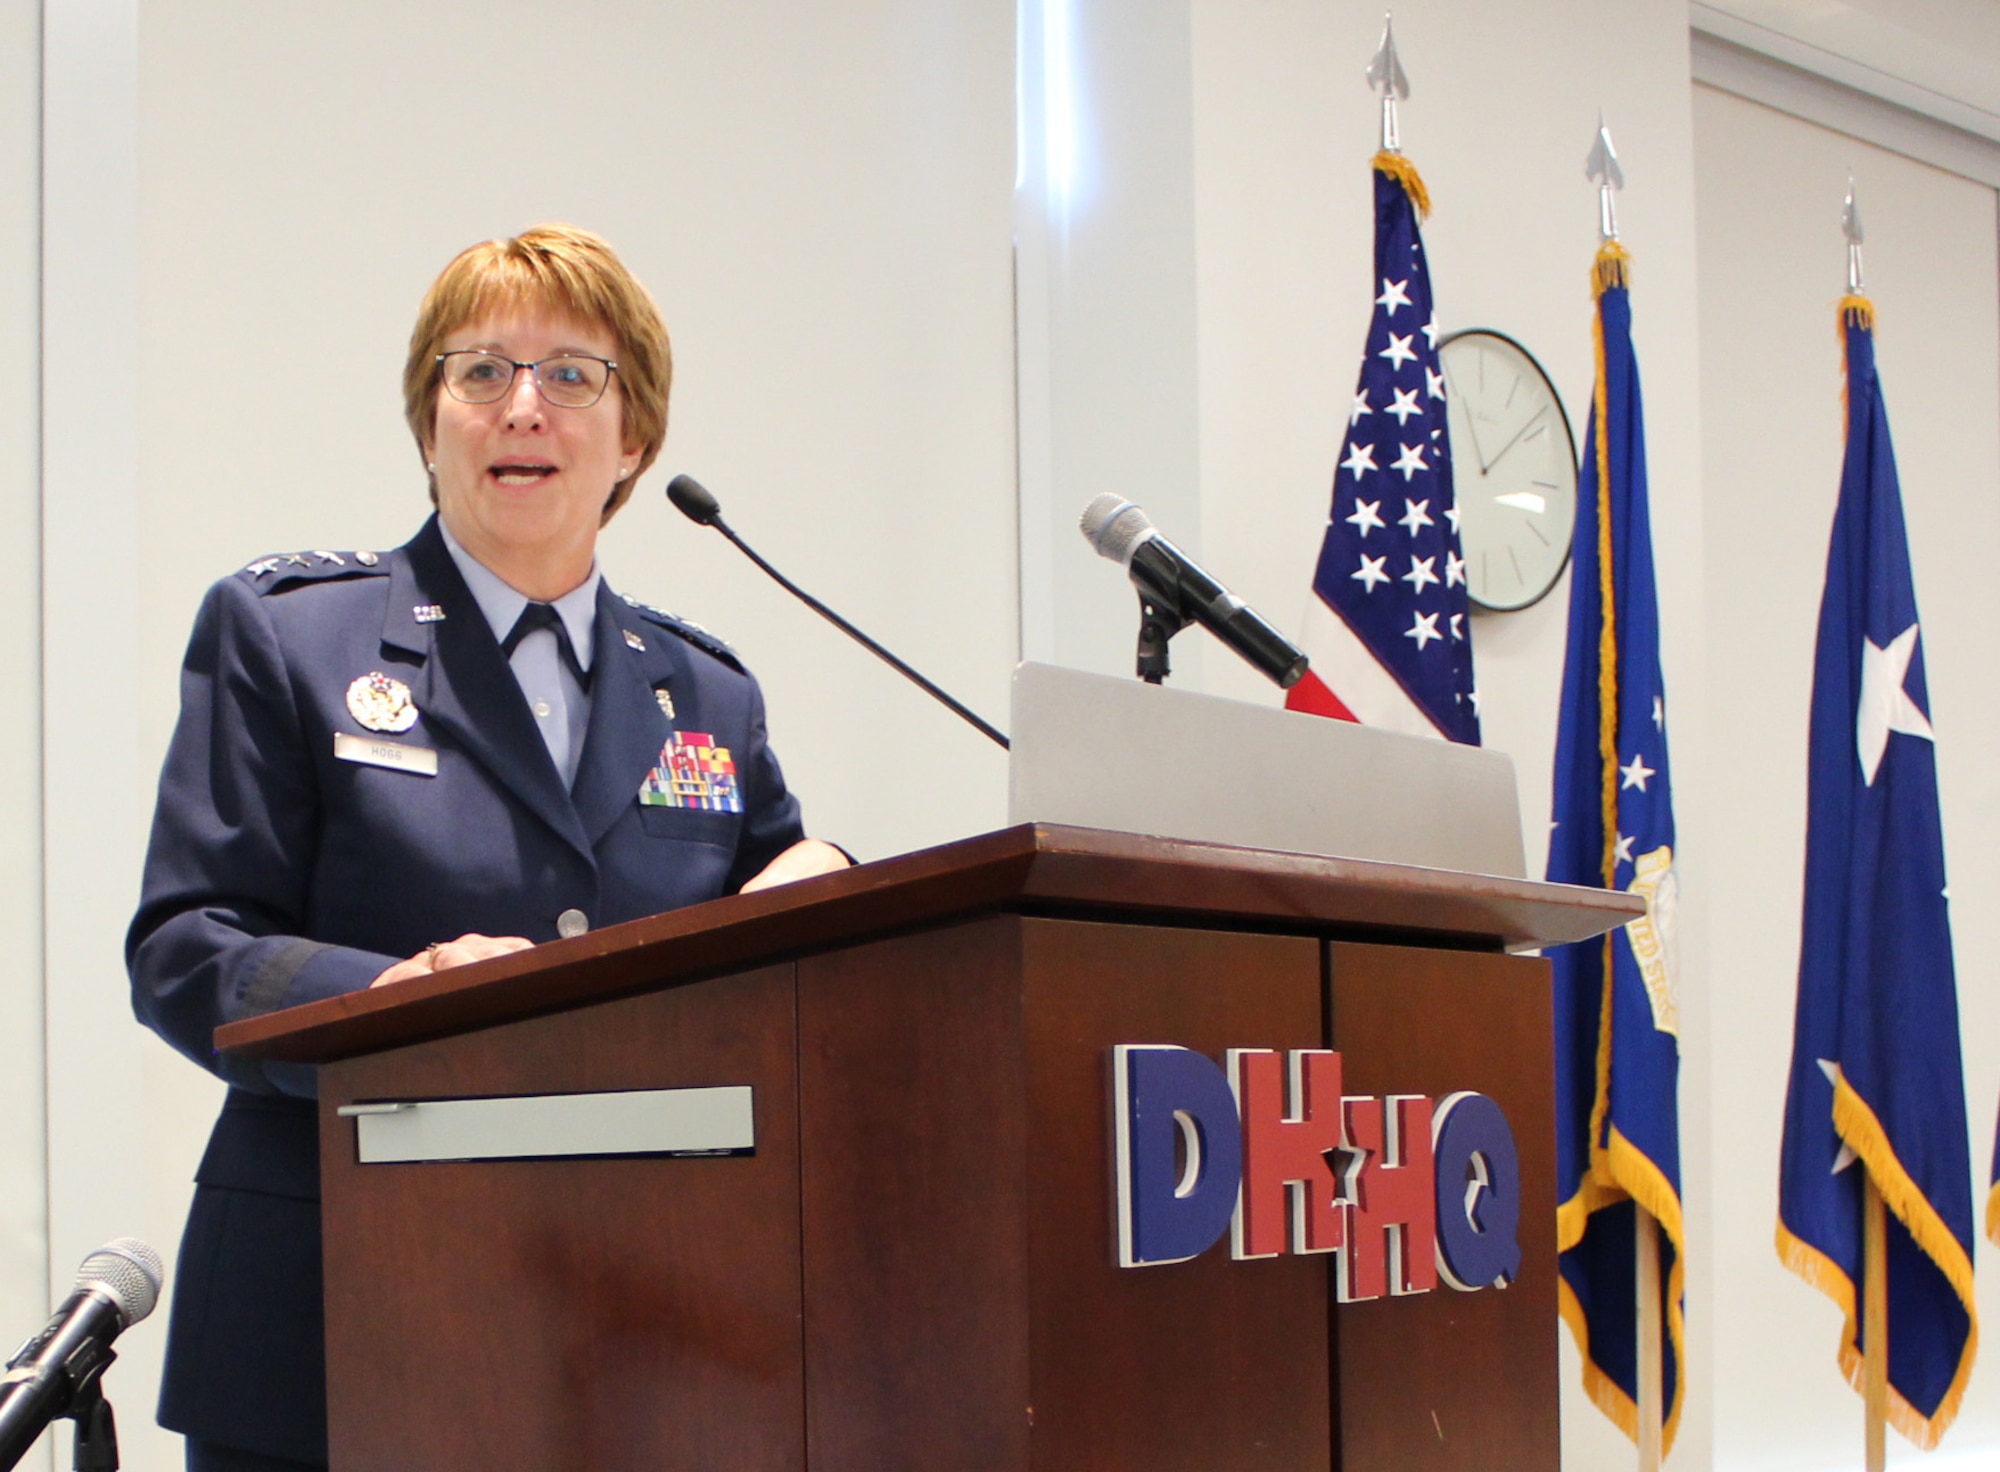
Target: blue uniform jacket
<point>279,874</point>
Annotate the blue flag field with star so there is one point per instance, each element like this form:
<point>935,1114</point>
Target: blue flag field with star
<point>1876,1080</point>
<point>1388,626</point>
<point>1616,1017</point>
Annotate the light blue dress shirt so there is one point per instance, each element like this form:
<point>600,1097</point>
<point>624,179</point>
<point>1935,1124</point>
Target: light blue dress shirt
<point>561,705</point>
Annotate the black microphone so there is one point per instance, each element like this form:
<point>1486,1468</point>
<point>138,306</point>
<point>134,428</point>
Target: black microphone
<point>1119,530</point>
<point>698,504</point>
<point>55,1372</point>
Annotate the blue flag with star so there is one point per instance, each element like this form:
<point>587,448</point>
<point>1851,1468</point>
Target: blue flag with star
<point>1617,1020</point>
<point>1876,1081</point>
<point>1388,626</point>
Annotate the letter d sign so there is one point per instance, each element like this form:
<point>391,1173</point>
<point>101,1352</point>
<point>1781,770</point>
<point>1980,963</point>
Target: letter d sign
<point>1180,1152</point>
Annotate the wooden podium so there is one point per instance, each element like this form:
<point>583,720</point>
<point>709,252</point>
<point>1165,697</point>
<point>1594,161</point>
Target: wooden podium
<point>917,1267</point>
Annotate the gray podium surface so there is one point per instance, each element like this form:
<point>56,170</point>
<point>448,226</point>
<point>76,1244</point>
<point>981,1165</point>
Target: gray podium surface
<point>1097,752</point>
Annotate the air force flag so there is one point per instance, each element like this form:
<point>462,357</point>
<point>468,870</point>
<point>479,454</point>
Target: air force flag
<point>1617,1019</point>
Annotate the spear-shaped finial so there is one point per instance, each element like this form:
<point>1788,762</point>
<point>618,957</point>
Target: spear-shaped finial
<point>1850,226</point>
<point>1385,75</point>
<point>1602,169</point>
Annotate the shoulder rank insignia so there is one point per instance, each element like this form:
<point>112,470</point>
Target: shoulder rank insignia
<point>687,629</point>
<point>290,569</point>
<point>693,773</point>
<point>381,703</point>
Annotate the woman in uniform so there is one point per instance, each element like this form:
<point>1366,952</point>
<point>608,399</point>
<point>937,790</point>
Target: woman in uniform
<point>390,764</point>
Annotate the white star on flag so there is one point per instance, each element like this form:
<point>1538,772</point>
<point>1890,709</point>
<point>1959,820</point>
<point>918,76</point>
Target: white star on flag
<point>1885,705</point>
<point>1636,774</point>
<point>1624,849</point>
<point>1451,515</point>
<point>1415,514</point>
<point>1399,350</point>
<point>1846,1157</point>
<point>1360,408</point>
<point>1360,457</point>
<point>1434,384</point>
<point>1406,404</point>
<point>1454,565</point>
<point>1393,296</point>
<point>1366,514</point>
<point>1431,330</point>
<point>1371,572</point>
<point>1420,573</point>
<point>1423,630</point>
<point>1410,461</point>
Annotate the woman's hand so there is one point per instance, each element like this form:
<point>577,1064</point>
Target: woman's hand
<point>807,857</point>
<point>447,954</point>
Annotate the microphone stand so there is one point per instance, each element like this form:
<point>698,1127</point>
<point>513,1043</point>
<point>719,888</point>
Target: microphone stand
<point>693,501</point>
<point>96,1431</point>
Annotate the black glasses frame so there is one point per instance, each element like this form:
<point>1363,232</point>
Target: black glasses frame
<point>534,372</point>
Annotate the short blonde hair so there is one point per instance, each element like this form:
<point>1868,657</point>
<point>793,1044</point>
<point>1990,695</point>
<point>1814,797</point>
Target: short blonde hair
<point>557,268</point>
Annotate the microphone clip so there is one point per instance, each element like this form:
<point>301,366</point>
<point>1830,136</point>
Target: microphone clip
<point>1159,621</point>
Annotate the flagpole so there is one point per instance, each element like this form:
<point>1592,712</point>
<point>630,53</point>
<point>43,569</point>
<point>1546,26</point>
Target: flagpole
<point>1874,1222</point>
<point>1875,1323</point>
<point>1652,1368</point>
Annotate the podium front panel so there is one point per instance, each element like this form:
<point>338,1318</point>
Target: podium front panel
<point>592,1315</point>
<point>964,1304</point>
<point>1442,1381</point>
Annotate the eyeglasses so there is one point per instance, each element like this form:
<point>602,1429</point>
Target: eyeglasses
<point>569,380</point>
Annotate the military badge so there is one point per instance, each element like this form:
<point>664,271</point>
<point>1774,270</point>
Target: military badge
<point>381,704</point>
<point>665,698</point>
<point>693,773</point>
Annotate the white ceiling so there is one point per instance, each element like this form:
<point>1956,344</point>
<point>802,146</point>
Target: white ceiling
<point>1940,58</point>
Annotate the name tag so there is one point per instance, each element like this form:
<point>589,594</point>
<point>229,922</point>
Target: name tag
<point>420,760</point>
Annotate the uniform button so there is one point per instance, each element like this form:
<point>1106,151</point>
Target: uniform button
<point>542,709</point>
<point>572,923</point>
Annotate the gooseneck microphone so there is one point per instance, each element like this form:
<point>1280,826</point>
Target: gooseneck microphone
<point>698,504</point>
<point>55,1373</point>
<point>1167,576</point>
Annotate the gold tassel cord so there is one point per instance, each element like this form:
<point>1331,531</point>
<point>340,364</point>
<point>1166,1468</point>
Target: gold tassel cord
<point>1613,267</point>
<point>1405,173</point>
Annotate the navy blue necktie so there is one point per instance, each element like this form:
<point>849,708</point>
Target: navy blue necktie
<point>544,616</point>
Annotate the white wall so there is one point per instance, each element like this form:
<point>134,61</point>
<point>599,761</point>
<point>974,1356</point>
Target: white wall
<point>1773,265</point>
<point>23,1162</point>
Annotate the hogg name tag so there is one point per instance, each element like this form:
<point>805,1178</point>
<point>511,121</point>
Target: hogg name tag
<point>420,760</point>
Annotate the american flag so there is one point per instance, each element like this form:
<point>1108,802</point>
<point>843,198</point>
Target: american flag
<point>1388,627</point>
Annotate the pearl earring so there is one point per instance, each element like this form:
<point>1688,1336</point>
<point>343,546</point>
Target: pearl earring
<point>432,467</point>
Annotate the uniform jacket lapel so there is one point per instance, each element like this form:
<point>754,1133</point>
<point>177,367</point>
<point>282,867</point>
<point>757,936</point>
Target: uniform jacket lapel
<point>465,686</point>
<point>627,726</point>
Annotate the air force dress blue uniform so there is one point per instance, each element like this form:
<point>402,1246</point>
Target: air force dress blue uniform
<point>280,873</point>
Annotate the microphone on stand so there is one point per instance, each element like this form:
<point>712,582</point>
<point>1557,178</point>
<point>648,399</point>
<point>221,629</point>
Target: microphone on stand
<point>56,1373</point>
<point>699,506</point>
<point>1175,582</point>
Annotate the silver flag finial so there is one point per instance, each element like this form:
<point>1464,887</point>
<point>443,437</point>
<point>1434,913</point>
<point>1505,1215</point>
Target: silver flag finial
<point>1385,75</point>
<point>1601,168</point>
<point>1850,226</point>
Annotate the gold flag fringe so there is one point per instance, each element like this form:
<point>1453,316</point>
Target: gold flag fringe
<point>1405,173</point>
<point>1613,267</point>
<point>1858,1128</point>
<point>1857,311</point>
<point>1993,1213</point>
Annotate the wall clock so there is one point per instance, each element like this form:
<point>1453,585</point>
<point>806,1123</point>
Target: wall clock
<point>1513,464</point>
